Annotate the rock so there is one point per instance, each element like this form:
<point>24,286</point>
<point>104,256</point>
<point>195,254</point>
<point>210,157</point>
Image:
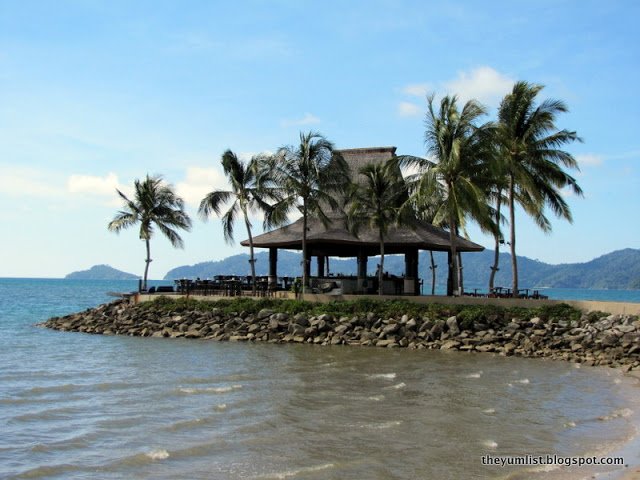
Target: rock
<point>391,328</point>
<point>449,344</point>
<point>264,313</point>
<point>625,328</point>
<point>452,326</point>
<point>411,324</point>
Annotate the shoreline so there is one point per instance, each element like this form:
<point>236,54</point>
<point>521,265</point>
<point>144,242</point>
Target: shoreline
<point>588,339</point>
<point>556,332</point>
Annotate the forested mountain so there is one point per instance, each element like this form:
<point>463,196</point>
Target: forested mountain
<point>101,272</point>
<point>616,270</point>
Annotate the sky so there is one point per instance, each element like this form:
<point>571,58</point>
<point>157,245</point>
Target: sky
<point>95,94</point>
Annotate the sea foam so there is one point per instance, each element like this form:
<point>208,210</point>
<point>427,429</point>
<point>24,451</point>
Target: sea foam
<point>159,454</point>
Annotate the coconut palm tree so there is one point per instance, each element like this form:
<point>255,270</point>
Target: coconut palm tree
<point>378,203</point>
<point>533,161</point>
<point>457,147</point>
<point>312,177</point>
<point>250,191</point>
<point>155,204</point>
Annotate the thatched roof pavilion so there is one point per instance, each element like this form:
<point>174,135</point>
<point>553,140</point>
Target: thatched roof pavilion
<point>336,240</point>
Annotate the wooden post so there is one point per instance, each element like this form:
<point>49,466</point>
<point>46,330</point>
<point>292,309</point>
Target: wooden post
<point>320,261</point>
<point>362,270</point>
<point>273,268</point>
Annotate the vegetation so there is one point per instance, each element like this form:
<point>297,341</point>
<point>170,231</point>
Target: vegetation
<point>467,315</point>
<point>378,203</point>
<point>457,147</point>
<point>101,272</point>
<point>251,191</point>
<point>312,177</point>
<point>155,204</point>
<point>471,172</point>
<point>529,143</point>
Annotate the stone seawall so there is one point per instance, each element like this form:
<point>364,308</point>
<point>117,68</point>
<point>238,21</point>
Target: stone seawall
<point>612,340</point>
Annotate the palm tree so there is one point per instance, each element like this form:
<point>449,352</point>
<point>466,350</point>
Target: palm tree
<point>378,204</point>
<point>458,148</point>
<point>533,160</point>
<point>250,191</point>
<point>155,204</point>
<point>311,177</point>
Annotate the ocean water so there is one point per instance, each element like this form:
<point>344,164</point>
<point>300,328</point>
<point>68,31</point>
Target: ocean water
<point>77,406</point>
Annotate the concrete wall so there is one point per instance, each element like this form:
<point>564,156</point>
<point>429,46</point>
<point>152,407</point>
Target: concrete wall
<point>584,305</point>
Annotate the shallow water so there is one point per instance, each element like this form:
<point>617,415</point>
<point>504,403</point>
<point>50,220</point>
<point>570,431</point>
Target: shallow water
<point>88,406</point>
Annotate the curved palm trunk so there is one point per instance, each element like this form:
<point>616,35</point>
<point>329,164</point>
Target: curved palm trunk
<point>512,220</point>
<point>496,252</point>
<point>252,259</point>
<point>433,273</point>
<point>381,272</point>
<point>146,267</point>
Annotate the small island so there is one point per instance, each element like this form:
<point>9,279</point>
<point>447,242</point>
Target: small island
<point>101,272</point>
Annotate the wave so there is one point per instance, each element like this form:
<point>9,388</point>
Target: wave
<point>47,414</point>
<point>397,386</point>
<point>522,381</point>
<point>296,472</point>
<point>474,375</point>
<point>227,389</point>
<point>48,471</point>
<point>386,376</point>
<point>159,454</point>
<point>383,425</point>
<point>492,444</point>
<point>620,413</point>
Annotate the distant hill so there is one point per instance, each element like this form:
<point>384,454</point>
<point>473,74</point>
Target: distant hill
<point>101,272</point>
<point>615,270</point>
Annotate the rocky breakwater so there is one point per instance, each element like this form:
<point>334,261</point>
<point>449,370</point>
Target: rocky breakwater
<point>593,339</point>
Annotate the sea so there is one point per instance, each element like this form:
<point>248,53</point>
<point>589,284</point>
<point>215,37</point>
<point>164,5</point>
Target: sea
<point>79,406</point>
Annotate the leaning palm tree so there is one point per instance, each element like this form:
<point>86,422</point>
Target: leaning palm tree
<point>533,160</point>
<point>457,148</point>
<point>154,204</point>
<point>377,203</point>
<point>312,177</point>
<point>250,191</point>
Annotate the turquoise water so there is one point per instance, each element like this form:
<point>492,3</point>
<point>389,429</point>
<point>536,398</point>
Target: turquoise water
<point>76,406</point>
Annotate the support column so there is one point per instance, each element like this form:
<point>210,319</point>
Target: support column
<point>411,286</point>
<point>307,264</point>
<point>362,271</point>
<point>416,271</point>
<point>320,261</point>
<point>273,268</point>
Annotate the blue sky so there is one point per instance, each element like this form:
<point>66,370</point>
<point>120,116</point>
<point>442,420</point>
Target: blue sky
<point>96,94</point>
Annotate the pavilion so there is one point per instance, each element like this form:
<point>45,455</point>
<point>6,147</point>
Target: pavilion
<point>336,240</point>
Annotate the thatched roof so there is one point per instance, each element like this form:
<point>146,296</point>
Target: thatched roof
<point>336,240</point>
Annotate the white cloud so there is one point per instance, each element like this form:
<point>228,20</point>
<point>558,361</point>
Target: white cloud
<point>307,119</point>
<point>198,182</point>
<point>589,160</point>
<point>29,182</point>
<point>93,185</point>
<point>482,83</point>
<point>417,89</point>
<point>408,109</point>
